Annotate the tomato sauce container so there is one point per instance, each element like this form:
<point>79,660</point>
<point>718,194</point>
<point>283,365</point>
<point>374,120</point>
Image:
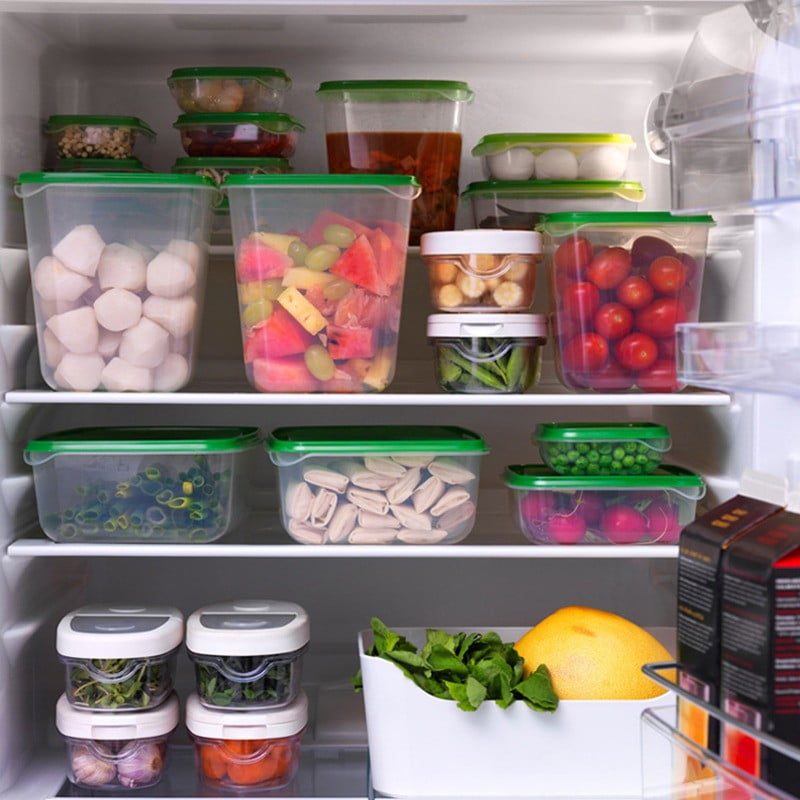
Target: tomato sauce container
<point>402,127</point>
<point>487,353</point>
<point>88,136</point>
<point>619,284</point>
<point>594,509</point>
<point>247,654</point>
<point>320,264</point>
<point>228,90</point>
<point>236,750</point>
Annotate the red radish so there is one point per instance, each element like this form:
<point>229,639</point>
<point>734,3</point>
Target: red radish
<point>623,524</point>
<point>591,507</point>
<point>662,522</point>
<point>535,508</point>
<point>566,528</point>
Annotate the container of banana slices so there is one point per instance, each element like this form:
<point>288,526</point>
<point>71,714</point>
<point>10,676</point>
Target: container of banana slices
<point>377,484</point>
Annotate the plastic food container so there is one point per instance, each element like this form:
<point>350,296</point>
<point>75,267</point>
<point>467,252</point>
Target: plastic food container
<point>267,135</point>
<point>598,448</point>
<point>86,136</point>
<point>554,156</point>
<point>139,484</point>
<point>247,749</point>
<point>320,262</point>
<point>374,484</point>
<point>619,284</point>
<point>247,654</point>
<point>590,509</point>
<point>481,270</point>
<point>100,165</point>
<point>520,205</point>
<point>118,270</point>
<point>227,90</point>
<point>487,354</point>
<point>401,127</point>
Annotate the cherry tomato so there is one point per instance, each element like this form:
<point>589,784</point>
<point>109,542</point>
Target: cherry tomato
<point>661,376</point>
<point>635,292</point>
<point>636,351</point>
<point>667,274</point>
<point>609,267</point>
<point>611,377</point>
<point>690,264</point>
<point>580,300</point>
<point>661,316</point>
<point>648,248</point>
<point>613,320</point>
<point>666,348</point>
<point>585,353</point>
<point>573,256</point>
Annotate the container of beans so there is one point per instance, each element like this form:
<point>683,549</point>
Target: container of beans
<point>252,135</point>
<point>83,136</point>
<point>200,90</point>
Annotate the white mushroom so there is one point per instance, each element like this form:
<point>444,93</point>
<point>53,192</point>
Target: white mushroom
<point>186,250</point>
<point>77,330</point>
<point>169,276</point>
<point>80,373</point>
<point>172,375</point>
<point>118,309</point>
<point>177,314</point>
<point>145,344</point>
<point>53,281</point>
<point>122,267</point>
<point>54,351</point>
<point>120,376</point>
<point>109,343</point>
<point>80,250</point>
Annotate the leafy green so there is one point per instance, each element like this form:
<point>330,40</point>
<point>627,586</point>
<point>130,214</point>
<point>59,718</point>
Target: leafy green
<point>241,681</point>
<point>113,683</point>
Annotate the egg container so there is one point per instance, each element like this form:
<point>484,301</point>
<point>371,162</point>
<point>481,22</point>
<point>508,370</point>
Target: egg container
<point>207,90</point>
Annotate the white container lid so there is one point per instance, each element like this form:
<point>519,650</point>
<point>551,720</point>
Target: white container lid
<point>479,240</point>
<point>122,725</point>
<point>248,628</point>
<point>269,723</point>
<point>487,325</point>
<point>119,632</point>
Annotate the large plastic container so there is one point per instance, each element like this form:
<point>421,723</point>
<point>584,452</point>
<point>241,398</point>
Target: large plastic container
<point>140,484</point>
<point>401,127</point>
<point>228,89</point>
<point>619,283</point>
<point>118,265</point>
<point>371,484</point>
<point>88,136</point>
<point>320,262</point>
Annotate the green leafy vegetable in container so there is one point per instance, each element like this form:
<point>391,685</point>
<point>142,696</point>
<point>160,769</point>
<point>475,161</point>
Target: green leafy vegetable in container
<point>117,683</point>
<point>244,680</point>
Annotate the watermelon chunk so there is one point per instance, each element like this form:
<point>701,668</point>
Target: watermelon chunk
<point>314,236</point>
<point>390,260</point>
<point>279,335</point>
<point>257,261</point>
<point>395,231</point>
<point>351,342</point>
<point>288,374</point>
<point>360,309</point>
<point>358,265</point>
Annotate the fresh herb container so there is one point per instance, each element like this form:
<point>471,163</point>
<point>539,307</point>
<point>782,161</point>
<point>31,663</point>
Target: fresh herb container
<point>90,136</point>
<point>228,89</point>
<point>119,658</point>
<point>597,448</point>
<point>247,654</point>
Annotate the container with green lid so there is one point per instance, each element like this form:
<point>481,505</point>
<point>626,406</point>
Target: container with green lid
<point>595,509</point>
<point>100,165</point>
<point>375,484</point>
<point>228,89</point>
<point>92,136</point>
<point>140,484</point>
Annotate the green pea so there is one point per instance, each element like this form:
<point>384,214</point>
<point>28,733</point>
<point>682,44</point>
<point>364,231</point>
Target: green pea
<point>336,289</point>
<point>298,250</point>
<point>319,362</point>
<point>256,312</point>
<point>339,235</point>
<point>322,257</point>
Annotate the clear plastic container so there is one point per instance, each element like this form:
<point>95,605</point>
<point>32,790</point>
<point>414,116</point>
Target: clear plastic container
<point>482,270</point>
<point>602,448</point>
<point>520,205</point>
<point>116,752</point>
<point>228,90</point>
<point>267,135</point>
<point>487,353</point>
<point>619,283</point>
<point>247,750</point>
<point>554,156</point>
<point>247,654</point>
<point>320,263</point>
<point>88,136</point>
<point>373,484</point>
<point>118,269</point>
<point>631,509</point>
<point>100,165</point>
<point>401,127</point>
<point>140,484</point>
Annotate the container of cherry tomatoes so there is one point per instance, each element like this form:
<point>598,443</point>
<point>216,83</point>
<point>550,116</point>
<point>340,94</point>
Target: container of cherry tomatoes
<point>596,509</point>
<point>619,284</point>
<point>253,750</point>
<point>252,135</point>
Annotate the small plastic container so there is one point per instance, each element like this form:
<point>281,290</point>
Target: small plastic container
<point>250,135</point>
<point>481,270</point>
<point>487,353</point>
<point>520,205</point>
<point>247,750</point>
<point>320,263</point>
<point>228,90</point>
<point>248,654</point>
<point>100,165</point>
<point>602,448</point>
<point>631,509</point>
<point>87,136</point>
<point>619,284</point>
<point>401,127</point>
<point>554,156</point>
<point>116,752</point>
<point>168,485</point>
<point>375,484</point>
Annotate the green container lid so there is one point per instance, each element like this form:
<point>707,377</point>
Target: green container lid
<point>58,122</point>
<point>562,224</point>
<point>144,179</point>
<point>229,162</point>
<point>598,431</point>
<point>241,73</point>
<point>272,121</point>
<point>628,190</point>
<point>497,142</point>
<point>324,180</point>
<point>394,91</point>
<point>100,165</point>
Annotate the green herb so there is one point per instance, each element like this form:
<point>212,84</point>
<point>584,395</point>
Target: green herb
<point>245,680</point>
<point>119,682</point>
<point>486,365</point>
<point>466,667</point>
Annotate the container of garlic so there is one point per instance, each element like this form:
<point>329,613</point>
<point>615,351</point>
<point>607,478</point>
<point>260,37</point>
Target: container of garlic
<point>377,484</point>
<point>118,266</point>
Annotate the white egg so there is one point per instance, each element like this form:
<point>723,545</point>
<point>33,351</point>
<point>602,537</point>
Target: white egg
<point>604,163</point>
<point>556,164</point>
<point>515,164</point>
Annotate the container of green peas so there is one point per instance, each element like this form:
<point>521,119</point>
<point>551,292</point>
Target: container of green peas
<point>597,448</point>
<point>140,484</point>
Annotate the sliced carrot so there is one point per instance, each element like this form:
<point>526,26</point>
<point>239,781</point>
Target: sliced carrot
<point>212,762</point>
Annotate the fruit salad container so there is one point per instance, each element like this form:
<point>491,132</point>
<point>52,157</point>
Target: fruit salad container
<point>87,136</point>
<point>554,156</point>
<point>590,509</point>
<point>619,284</point>
<point>487,353</point>
<point>100,165</point>
<point>481,270</point>
<point>401,127</point>
<point>140,484</point>
<point>250,135</point>
<point>320,262</point>
<point>598,448</point>
<point>116,752</point>
<point>228,90</point>
<point>255,750</point>
<point>520,205</point>
<point>118,266</point>
<point>374,484</point>
<point>247,654</point>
